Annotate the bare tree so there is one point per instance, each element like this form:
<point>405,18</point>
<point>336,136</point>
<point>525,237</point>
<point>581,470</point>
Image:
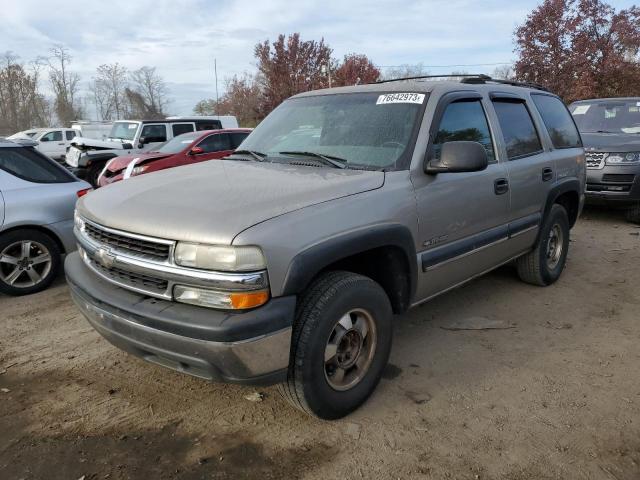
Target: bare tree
<point>64,84</point>
<point>404,71</point>
<point>21,104</point>
<point>109,90</point>
<point>504,72</point>
<point>148,93</point>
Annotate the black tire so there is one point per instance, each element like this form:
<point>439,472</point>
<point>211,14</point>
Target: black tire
<point>93,172</point>
<point>633,213</point>
<point>9,243</point>
<point>327,300</point>
<point>535,267</point>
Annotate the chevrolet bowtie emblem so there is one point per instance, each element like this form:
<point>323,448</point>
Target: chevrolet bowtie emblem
<point>105,257</point>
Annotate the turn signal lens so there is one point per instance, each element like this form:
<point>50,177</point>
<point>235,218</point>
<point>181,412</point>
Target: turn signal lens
<point>241,301</point>
<point>204,297</point>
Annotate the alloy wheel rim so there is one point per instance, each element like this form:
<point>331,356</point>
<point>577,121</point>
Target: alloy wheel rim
<point>554,246</point>
<point>24,264</point>
<point>350,349</point>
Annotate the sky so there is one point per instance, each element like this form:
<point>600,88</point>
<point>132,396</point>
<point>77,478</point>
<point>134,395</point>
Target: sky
<point>181,38</point>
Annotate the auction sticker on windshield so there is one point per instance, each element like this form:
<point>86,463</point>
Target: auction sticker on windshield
<point>400,98</point>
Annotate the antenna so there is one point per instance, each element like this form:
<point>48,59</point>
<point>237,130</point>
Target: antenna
<point>215,71</point>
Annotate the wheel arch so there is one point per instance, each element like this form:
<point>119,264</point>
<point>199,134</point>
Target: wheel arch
<point>40,228</point>
<point>384,253</point>
<point>566,194</point>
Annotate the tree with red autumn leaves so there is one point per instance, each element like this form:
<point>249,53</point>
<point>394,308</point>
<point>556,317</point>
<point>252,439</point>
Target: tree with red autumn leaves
<point>356,69</point>
<point>580,49</point>
<point>290,66</point>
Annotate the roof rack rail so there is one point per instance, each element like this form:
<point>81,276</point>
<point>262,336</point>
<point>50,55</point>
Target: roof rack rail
<point>475,79</point>
<point>453,75</point>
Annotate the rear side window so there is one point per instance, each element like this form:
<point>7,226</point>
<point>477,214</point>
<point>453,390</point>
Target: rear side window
<point>215,143</point>
<point>237,138</point>
<point>520,135</point>
<point>464,121</point>
<point>70,134</point>
<point>180,128</point>
<point>208,125</point>
<point>28,165</point>
<point>557,119</point>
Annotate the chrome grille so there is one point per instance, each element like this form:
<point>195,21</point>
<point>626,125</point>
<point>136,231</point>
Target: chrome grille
<point>595,160</point>
<point>132,280</point>
<point>131,245</point>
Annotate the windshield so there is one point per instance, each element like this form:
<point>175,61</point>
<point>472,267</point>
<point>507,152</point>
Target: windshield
<point>365,129</point>
<point>615,116</point>
<point>124,130</point>
<point>178,144</point>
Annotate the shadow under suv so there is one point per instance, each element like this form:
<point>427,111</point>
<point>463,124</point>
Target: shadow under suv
<point>610,129</point>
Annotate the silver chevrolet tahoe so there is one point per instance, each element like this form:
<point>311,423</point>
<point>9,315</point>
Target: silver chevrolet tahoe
<point>286,262</point>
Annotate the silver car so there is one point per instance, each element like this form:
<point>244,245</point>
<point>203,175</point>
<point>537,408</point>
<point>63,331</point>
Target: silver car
<point>37,198</point>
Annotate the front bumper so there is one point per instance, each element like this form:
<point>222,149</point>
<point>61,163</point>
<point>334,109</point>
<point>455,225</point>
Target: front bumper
<point>613,185</point>
<point>248,348</point>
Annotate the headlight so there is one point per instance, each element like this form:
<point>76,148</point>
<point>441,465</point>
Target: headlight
<point>139,170</point>
<point>204,297</point>
<point>219,257</point>
<point>623,158</point>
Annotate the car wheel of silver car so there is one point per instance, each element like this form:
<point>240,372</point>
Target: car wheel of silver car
<point>29,261</point>
<point>544,264</point>
<point>341,342</point>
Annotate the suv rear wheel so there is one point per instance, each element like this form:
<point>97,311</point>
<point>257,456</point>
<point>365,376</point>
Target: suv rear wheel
<point>29,262</point>
<point>341,342</point>
<point>544,264</point>
<point>633,213</point>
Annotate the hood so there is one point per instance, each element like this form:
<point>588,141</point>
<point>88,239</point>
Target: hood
<point>611,142</point>
<point>92,142</point>
<point>120,163</point>
<point>211,202</point>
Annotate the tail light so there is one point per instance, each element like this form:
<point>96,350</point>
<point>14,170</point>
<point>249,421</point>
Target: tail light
<point>83,192</point>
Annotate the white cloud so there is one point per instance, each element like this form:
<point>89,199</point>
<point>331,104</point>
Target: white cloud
<point>182,37</point>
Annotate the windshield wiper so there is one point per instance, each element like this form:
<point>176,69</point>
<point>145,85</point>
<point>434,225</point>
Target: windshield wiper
<point>258,156</point>
<point>327,159</point>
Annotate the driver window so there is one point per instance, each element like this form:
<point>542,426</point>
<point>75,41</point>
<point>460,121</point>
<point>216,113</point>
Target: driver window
<point>464,121</point>
<point>154,133</point>
<point>52,136</point>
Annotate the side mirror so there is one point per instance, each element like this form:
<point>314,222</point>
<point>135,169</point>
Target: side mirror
<point>141,142</point>
<point>196,151</point>
<point>459,156</point>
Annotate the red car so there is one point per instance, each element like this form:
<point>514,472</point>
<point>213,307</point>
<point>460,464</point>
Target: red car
<point>192,147</point>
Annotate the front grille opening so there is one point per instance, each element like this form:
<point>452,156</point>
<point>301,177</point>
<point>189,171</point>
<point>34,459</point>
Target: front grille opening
<point>135,246</point>
<point>136,280</point>
<point>618,178</point>
<point>595,159</point>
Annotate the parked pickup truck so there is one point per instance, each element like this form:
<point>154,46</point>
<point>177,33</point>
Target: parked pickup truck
<point>286,262</point>
<point>87,157</point>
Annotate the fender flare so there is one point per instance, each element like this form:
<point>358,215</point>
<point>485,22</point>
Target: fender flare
<point>308,263</point>
<point>564,186</point>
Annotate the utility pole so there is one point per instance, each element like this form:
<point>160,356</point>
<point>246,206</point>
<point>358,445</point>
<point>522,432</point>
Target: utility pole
<point>215,71</point>
<point>326,70</point>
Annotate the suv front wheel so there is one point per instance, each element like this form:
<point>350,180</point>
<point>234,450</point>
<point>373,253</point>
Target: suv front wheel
<point>340,345</point>
<point>544,264</point>
<point>633,213</point>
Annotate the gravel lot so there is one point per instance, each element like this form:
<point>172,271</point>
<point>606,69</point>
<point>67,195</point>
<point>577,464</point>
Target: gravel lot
<point>554,394</point>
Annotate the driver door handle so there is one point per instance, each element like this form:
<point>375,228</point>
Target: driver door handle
<point>547,174</point>
<point>501,186</point>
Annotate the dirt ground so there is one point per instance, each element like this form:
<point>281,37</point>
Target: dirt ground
<point>555,396</point>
